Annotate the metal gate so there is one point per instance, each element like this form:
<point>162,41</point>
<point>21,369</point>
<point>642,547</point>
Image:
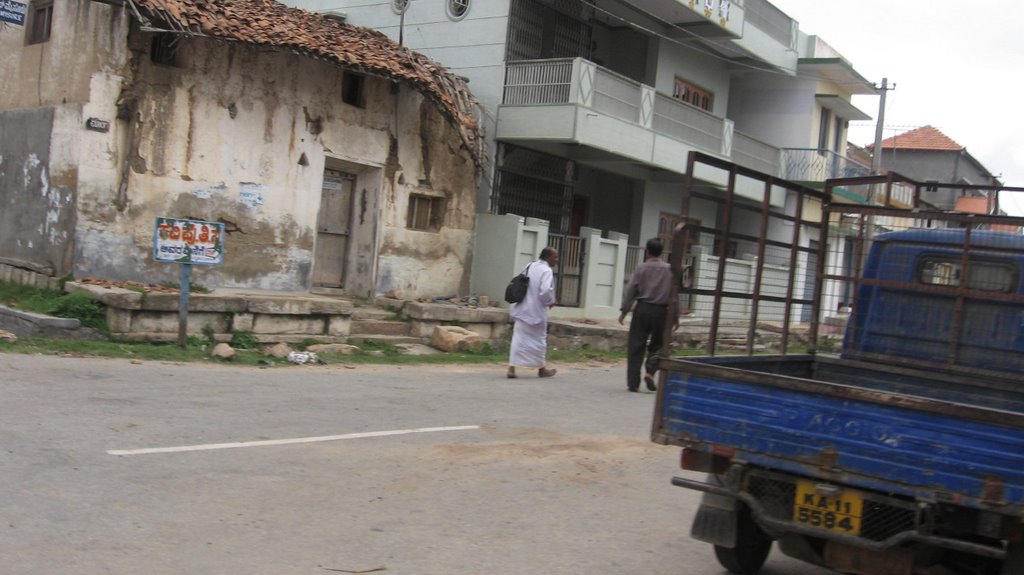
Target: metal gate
<point>569,273</point>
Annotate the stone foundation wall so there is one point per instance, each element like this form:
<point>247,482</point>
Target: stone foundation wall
<point>490,323</point>
<point>24,276</point>
<point>153,316</point>
<point>273,317</point>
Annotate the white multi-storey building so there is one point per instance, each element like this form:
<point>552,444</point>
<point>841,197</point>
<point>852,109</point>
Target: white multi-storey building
<point>593,105</point>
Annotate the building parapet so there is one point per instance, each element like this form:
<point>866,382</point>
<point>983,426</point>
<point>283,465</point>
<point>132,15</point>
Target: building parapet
<point>661,129</point>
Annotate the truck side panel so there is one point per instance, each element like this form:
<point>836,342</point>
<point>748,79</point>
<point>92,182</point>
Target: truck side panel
<point>860,443</point>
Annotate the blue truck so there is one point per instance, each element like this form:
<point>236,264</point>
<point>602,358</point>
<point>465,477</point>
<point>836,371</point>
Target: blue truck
<point>868,415</point>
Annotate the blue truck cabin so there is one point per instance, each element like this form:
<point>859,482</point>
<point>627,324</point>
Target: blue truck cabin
<point>922,299</point>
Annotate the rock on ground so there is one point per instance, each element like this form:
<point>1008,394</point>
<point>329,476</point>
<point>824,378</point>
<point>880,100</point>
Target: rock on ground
<point>451,338</point>
<point>223,351</point>
<point>337,348</point>
<point>280,350</point>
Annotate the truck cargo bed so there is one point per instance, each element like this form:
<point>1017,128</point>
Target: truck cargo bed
<point>873,426</point>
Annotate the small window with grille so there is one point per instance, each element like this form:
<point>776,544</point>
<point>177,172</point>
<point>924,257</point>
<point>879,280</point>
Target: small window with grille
<point>693,95</point>
<point>40,21</point>
<point>426,213</point>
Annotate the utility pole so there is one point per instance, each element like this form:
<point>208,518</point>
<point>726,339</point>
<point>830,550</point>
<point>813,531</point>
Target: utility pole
<point>876,158</point>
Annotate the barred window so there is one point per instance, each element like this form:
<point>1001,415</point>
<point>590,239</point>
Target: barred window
<point>426,213</point>
<point>693,95</point>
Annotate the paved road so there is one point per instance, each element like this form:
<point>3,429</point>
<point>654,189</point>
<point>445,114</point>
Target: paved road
<point>157,468</point>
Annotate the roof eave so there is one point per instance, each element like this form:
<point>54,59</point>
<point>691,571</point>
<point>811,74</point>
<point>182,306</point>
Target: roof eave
<point>843,108</point>
<point>839,71</point>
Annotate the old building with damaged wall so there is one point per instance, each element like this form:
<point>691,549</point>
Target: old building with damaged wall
<point>334,157</point>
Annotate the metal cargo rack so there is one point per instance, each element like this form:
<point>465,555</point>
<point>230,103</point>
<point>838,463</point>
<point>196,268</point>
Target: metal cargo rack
<point>765,265</point>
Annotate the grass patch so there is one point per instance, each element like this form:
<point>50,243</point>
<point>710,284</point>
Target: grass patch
<point>80,306</point>
<point>248,350</point>
<point>304,344</point>
<point>193,287</point>
<point>386,354</point>
<point>26,298</point>
<point>242,339</point>
<point>198,350</point>
<point>88,311</point>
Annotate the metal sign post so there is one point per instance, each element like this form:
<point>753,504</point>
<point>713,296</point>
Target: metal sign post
<point>187,242</point>
<point>186,280</point>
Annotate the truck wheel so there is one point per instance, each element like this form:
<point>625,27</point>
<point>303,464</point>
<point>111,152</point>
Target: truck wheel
<point>751,550</point>
<point>1014,563</point>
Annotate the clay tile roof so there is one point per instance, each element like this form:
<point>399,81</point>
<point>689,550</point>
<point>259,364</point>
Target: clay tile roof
<point>923,138</point>
<point>270,23</point>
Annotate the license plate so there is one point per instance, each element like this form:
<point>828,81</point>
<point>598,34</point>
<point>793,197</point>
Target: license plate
<point>840,513</point>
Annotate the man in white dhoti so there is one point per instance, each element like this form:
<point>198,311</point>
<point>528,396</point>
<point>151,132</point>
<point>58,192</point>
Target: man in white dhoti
<point>530,331</point>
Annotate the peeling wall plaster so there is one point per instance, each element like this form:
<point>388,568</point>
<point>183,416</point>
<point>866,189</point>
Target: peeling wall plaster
<point>36,209</point>
<point>241,135</point>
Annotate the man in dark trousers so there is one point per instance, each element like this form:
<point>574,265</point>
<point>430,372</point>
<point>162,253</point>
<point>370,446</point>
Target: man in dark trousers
<point>650,287</point>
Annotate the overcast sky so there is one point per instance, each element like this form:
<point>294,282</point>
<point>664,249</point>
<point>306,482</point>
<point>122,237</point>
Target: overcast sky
<point>958,66</point>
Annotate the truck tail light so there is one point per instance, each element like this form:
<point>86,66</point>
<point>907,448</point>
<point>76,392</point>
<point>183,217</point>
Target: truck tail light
<point>715,461</point>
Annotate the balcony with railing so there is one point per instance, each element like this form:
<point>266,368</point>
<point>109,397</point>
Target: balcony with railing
<point>816,165</point>
<point>813,166</point>
<point>572,101</point>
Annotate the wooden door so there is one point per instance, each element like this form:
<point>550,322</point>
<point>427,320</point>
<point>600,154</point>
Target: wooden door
<point>332,227</point>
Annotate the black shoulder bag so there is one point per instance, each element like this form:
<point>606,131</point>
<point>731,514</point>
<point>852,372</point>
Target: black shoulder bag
<point>515,292</point>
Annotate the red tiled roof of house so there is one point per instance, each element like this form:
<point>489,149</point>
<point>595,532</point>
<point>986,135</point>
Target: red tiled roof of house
<point>974,204</point>
<point>270,23</point>
<point>923,138</point>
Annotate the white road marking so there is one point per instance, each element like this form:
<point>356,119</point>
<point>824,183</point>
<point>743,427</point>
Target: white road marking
<point>269,442</point>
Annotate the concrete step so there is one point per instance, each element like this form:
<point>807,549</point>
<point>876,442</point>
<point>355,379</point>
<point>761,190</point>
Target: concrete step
<point>356,340</point>
<point>378,327</point>
<point>366,313</point>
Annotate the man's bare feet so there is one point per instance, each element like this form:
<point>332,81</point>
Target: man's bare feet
<point>511,373</point>
<point>545,372</point>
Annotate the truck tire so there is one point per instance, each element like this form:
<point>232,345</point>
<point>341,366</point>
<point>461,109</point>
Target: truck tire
<point>751,550</point>
<point>1014,563</point>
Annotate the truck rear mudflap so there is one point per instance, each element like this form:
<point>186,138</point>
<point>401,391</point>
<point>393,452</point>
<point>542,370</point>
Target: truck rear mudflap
<point>784,504</point>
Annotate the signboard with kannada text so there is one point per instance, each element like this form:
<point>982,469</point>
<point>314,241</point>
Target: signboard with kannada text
<point>13,12</point>
<point>180,241</point>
